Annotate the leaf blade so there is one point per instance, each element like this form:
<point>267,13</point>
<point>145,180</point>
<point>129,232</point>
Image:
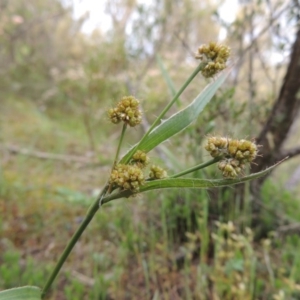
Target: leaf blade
<point>21,293</point>
<point>200,183</point>
<point>178,121</point>
<point>188,183</point>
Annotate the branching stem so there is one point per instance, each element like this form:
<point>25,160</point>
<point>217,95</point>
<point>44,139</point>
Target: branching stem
<point>198,167</point>
<point>165,110</point>
<point>119,146</point>
<point>89,216</point>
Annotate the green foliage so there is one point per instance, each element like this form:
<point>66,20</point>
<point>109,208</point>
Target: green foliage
<point>179,121</point>
<point>75,290</point>
<point>23,293</point>
<point>29,33</point>
<point>14,273</point>
<point>165,244</point>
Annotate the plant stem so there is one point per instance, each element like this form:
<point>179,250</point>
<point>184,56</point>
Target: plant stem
<point>128,193</point>
<point>165,110</point>
<point>120,143</point>
<point>116,158</point>
<point>198,167</point>
<point>89,216</point>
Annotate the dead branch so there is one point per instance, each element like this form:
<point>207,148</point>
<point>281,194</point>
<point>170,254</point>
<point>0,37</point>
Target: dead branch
<point>46,155</point>
<point>289,153</point>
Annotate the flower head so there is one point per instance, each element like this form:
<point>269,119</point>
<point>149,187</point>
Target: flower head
<point>234,154</point>
<point>216,146</point>
<point>140,159</point>
<point>214,57</point>
<point>242,150</point>
<point>127,110</point>
<point>231,168</point>
<point>157,172</point>
<point>127,177</point>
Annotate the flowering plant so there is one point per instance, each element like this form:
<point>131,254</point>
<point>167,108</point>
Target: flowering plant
<point>129,174</point>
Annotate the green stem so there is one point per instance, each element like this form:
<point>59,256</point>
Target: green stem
<point>198,167</point>
<point>89,216</point>
<point>165,110</point>
<point>120,143</point>
<point>128,193</point>
<point>110,187</point>
<point>117,195</point>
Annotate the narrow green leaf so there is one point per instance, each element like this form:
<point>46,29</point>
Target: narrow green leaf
<point>188,183</point>
<point>21,293</point>
<point>199,183</point>
<point>167,79</point>
<point>178,121</point>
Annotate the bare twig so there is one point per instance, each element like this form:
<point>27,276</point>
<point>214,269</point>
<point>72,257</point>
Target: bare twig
<point>294,227</point>
<point>267,27</point>
<point>83,278</point>
<point>46,155</point>
<point>289,153</point>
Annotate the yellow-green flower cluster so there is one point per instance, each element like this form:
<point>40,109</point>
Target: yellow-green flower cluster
<point>131,176</point>
<point>140,159</point>
<point>214,57</point>
<point>127,111</point>
<point>157,172</point>
<point>231,168</point>
<point>242,150</point>
<point>127,177</point>
<point>235,154</point>
<point>217,146</point>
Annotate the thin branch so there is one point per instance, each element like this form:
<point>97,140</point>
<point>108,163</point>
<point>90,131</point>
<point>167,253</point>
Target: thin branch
<point>289,228</point>
<point>46,155</point>
<point>83,278</point>
<point>265,68</point>
<point>267,27</point>
<point>289,153</point>
<point>88,218</point>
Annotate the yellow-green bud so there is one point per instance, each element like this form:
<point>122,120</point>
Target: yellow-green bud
<point>231,168</point>
<point>214,57</point>
<point>240,150</point>
<point>140,159</point>
<point>157,172</point>
<point>127,177</point>
<point>216,146</point>
<point>127,110</point>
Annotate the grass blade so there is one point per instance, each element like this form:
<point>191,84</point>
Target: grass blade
<point>199,183</point>
<point>188,183</point>
<point>21,293</point>
<point>178,121</point>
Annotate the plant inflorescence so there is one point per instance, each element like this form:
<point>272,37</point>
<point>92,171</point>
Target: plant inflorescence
<point>234,154</point>
<point>127,111</point>
<point>127,176</point>
<point>214,57</point>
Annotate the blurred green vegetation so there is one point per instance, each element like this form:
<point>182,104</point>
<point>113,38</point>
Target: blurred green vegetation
<point>56,151</point>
